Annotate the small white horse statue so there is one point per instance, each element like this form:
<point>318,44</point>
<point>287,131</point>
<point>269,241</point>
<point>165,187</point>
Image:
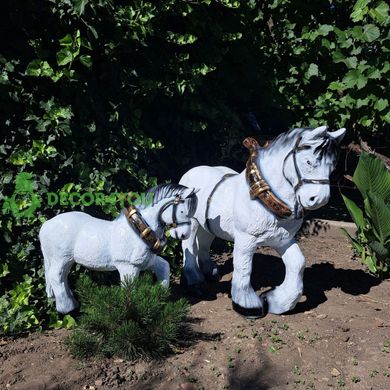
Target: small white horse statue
<point>128,244</point>
<point>261,206</point>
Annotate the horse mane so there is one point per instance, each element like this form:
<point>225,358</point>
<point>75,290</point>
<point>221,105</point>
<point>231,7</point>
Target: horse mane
<point>163,191</point>
<point>328,147</point>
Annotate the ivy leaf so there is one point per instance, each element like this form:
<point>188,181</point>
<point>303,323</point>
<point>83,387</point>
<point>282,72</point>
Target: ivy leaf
<point>354,78</point>
<point>380,12</point>
<point>312,71</point>
<point>67,40</point>
<point>370,32</point>
<point>360,9</point>
<point>79,6</point>
<point>381,104</point>
<point>86,60</point>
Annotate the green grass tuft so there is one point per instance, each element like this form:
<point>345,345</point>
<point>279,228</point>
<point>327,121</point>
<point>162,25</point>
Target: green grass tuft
<point>135,320</point>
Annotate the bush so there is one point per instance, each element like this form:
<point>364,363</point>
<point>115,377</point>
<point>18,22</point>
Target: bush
<point>372,240</point>
<point>136,320</point>
<point>114,96</point>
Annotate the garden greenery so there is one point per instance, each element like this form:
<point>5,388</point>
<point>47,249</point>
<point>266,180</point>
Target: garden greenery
<point>115,96</point>
<point>372,240</point>
<point>132,321</point>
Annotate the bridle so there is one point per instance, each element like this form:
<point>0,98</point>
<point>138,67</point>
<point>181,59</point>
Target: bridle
<point>174,224</point>
<point>301,181</point>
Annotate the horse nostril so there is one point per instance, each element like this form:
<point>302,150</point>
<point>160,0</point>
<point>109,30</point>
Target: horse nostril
<point>312,199</point>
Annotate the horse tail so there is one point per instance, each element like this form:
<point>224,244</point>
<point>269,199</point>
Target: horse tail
<point>46,262</point>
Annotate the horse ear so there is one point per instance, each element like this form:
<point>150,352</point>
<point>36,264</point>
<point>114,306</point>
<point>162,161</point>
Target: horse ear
<point>189,192</point>
<point>337,135</point>
<point>318,132</point>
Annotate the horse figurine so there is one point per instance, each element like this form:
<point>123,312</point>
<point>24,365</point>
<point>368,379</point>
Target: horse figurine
<point>261,206</point>
<point>131,243</point>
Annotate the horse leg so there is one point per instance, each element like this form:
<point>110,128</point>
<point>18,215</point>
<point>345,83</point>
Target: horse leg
<point>192,277</point>
<point>284,297</point>
<point>207,266</point>
<point>161,269</point>
<point>57,279</point>
<point>127,272</point>
<point>245,300</point>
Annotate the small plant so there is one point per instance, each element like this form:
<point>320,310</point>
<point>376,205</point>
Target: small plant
<point>341,382</point>
<point>285,327</point>
<point>296,370</point>
<point>301,336</point>
<point>136,320</point>
<point>372,240</point>
<point>315,337</point>
<point>355,379</point>
<point>386,345</point>
<point>230,362</point>
<point>374,373</point>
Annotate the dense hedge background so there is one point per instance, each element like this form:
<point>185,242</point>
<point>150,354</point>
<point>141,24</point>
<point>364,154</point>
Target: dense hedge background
<point>111,95</point>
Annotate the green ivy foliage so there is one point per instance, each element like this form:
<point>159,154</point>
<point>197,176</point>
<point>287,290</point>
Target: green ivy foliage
<point>112,96</point>
<point>337,56</point>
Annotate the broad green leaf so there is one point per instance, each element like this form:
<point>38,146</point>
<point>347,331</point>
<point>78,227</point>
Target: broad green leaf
<point>381,104</point>
<point>379,214</point>
<point>354,78</point>
<point>64,56</point>
<point>381,12</point>
<point>324,29</point>
<point>380,250</point>
<point>370,32</point>
<point>359,248</point>
<point>386,117</point>
<point>360,9</point>
<point>371,175</point>
<point>355,212</point>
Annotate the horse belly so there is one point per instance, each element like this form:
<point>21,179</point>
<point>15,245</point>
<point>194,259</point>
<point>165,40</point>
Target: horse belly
<point>93,251</point>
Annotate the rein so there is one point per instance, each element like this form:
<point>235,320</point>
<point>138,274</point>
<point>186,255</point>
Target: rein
<point>174,223</point>
<point>301,181</point>
<point>145,232</point>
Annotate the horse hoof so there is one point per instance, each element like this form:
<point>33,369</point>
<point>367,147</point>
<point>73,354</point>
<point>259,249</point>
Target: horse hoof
<point>214,276</point>
<point>251,313</point>
<point>195,290</point>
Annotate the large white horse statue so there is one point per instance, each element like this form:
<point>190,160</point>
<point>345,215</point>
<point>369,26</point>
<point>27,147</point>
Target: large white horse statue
<point>261,206</point>
<point>129,244</point>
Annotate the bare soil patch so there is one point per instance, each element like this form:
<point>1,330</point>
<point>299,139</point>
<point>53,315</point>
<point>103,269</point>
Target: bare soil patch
<point>337,337</point>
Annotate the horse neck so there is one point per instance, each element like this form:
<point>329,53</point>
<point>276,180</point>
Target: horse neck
<point>271,161</point>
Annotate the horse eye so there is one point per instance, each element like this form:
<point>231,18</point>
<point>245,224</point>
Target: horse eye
<point>308,162</point>
<point>181,211</point>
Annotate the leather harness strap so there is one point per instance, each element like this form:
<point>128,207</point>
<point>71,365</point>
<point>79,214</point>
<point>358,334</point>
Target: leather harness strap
<point>144,230</point>
<point>211,195</point>
<point>259,188</point>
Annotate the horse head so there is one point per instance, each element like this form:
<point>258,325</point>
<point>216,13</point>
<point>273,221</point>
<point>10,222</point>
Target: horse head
<point>177,213</point>
<point>308,165</point>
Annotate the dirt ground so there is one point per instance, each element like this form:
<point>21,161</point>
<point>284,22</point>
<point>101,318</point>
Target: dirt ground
<point>338,337</point>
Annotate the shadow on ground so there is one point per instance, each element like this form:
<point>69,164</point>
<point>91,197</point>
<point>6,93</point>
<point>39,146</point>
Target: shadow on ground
<point>268,271</point>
